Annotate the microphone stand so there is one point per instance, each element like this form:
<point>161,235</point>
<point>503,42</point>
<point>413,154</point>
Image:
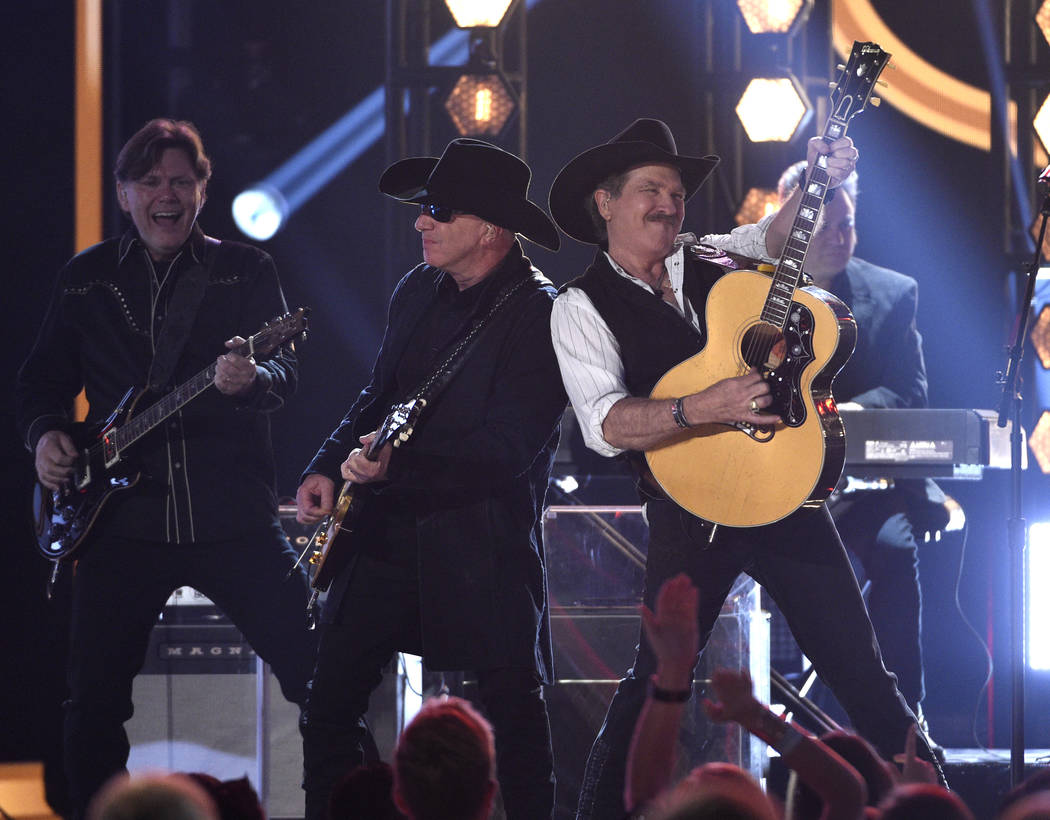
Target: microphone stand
<point>1017,531</point>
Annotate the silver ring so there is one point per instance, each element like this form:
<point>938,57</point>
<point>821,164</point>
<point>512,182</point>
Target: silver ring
<point>754,405</point>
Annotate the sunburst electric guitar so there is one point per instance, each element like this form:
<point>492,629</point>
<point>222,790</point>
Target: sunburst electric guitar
<point>798,338</point>
<point>332,545</point>
<point>105,464</point>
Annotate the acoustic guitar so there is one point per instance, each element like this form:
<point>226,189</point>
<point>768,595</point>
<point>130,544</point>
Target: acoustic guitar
<point>798,337</point>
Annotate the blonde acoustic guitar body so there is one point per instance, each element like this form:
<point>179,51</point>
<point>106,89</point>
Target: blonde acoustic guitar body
<point>745,477</point>
<point>798,338</point>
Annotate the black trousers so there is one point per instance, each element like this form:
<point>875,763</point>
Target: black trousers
<point>119,589</point>
<point>379,615</point>
<point>877,528</point>
<point>801,562</point>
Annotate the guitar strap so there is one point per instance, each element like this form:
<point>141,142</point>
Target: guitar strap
<point>182,310</point>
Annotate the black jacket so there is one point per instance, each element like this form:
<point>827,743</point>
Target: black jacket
<point>887,368</point>
<point>209,469</point>
<point>474,473</point>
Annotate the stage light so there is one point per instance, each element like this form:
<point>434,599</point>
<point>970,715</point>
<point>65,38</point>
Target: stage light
<point>260,211</point>
<point>1039,441</point>
<point>758,203</point>
<point>773,109</point>
<point>1042,19</point>
<point>1040,336</point>
<point>1037,595</point>
<point>480,105</point>
<point>351,135</point>
<point>1042,123</point>
<point>478,13</point>
<point>775,16</point>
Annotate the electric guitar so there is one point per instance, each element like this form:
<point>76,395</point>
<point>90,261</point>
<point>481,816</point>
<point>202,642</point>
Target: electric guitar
<point>64,518</point>
<point>331,547</point>
<point>798,338</point>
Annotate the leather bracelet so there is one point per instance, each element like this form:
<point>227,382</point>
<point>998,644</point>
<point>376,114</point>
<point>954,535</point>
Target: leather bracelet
<point>668,695</point>
<point>678,413</point>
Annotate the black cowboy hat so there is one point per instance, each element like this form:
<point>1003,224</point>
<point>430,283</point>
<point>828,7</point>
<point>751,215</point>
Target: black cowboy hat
<point>643,142</point>
<point>478,178</point>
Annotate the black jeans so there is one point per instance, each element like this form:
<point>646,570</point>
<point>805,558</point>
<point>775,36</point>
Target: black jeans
<point>802,564</point>
<point>119,589</point>
<point>877,529</point>
<point>378,616</point>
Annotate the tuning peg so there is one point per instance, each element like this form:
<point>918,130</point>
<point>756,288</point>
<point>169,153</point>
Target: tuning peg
<point>397,442</point>
<point>840,67</point>
<point>833,85</point>
<point>883,83</point>
<point>876,101</point>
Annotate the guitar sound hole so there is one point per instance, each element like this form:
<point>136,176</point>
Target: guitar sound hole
<point>763,346</point>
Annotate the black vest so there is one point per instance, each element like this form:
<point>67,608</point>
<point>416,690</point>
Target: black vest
<point>653,335</point>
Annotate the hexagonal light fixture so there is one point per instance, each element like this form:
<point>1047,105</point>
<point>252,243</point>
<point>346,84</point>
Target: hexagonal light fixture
<point>1042,19</point>
<point>1039,441</point>
<point>1040,336</point>
<point>478,13</point>
<point>772,109</point>
<point>480,104</point>
<point>758,203</point>
<point>1042,123</point>
<point>775,16</point>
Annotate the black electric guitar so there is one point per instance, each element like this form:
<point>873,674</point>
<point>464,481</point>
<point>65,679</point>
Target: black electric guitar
<point>64,518</point>
<point>331,547</point>
<point>798,338</point>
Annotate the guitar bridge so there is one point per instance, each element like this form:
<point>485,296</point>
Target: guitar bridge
<point>759,434</point>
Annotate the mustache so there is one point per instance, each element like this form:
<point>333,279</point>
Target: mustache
<point>668,218</point>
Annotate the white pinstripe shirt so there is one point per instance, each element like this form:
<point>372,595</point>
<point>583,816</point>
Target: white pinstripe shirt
<point>589,354</point>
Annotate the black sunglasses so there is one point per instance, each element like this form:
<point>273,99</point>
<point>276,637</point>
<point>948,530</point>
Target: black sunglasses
<point>438,213</point>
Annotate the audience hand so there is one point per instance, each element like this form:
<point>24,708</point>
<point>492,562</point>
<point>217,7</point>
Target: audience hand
<point>735,700</point>
<point>672,630</point>
<point>913,768</point>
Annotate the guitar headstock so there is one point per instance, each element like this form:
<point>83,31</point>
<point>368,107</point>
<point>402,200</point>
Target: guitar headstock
<point>399,425</point>
<point>856,82</point>
<point>276,332</point>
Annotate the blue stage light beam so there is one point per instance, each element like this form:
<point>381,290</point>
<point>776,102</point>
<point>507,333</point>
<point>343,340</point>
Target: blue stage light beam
<point>261,210</point>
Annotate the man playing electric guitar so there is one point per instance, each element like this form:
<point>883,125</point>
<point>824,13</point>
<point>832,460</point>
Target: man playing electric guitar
<point>636,312</point>
<point>152,308</point>
<point>446,557</point>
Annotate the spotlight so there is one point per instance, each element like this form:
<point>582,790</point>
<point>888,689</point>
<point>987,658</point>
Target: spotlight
<point>260,211</point>
<point>478,13</point>
<point>758,202</point>
<point>480,104</point>
<point>773,109</point>
<point>775,16</point>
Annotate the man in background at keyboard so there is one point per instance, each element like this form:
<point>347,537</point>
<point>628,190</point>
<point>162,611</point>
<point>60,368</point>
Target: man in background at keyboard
<point>879,527</point>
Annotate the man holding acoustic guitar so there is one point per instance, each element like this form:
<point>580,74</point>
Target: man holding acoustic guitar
<point>178,491</point>
<point>650,305</point>
<point>438,547</point>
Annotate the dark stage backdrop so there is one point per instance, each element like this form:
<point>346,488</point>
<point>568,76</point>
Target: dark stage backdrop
<point>262,79</point>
